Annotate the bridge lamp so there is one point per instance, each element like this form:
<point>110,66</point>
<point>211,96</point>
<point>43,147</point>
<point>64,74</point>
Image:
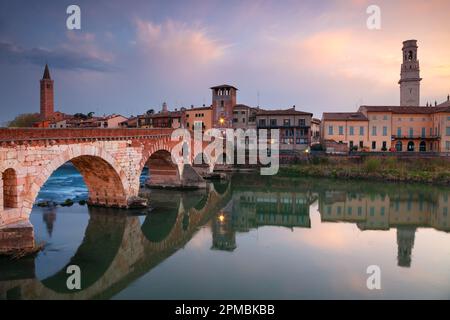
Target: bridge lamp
<point>221,217</point>
<point>221,120</point>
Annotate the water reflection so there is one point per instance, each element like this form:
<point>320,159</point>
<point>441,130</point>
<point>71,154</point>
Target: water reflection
<point>118,247</point>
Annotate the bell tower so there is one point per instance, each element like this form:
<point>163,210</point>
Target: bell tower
<point>223,102</point>
<point>410,75</point>
<point>47,106</point>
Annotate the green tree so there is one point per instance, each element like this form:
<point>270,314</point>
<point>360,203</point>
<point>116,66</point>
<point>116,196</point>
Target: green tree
<point>24,120</point>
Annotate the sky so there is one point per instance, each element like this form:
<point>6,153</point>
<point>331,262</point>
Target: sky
<point>131,56</point>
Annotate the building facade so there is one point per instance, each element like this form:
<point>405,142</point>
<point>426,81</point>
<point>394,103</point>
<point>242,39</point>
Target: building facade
<point>201,117</point>
<point>294,126</point>
<point>405,128</point>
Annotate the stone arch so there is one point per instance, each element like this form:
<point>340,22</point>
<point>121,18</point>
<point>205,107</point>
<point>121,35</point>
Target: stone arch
<point>9,192</point>
<point>163,172</point>
<point>106,181</point>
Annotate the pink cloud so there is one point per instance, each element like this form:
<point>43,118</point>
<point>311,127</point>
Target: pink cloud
<point>178,42</point>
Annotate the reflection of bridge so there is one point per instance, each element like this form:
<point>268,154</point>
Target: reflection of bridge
<point>110,161</point>
<point>116,249</point>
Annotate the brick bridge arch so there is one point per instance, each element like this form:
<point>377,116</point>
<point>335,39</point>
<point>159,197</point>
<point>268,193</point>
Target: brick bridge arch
<point>110,160</point>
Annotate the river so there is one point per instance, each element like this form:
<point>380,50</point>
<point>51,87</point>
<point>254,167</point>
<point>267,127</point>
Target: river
<point>247,238</point>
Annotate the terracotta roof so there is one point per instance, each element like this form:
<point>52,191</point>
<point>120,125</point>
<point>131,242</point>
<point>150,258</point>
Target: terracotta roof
<point>198,108</point>
<point>290,111</point>
<point>223,86</point>
<point>405,109</point>
<point>344,116</point>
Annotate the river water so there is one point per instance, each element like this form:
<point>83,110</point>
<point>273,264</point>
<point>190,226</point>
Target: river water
<point>247,238</point>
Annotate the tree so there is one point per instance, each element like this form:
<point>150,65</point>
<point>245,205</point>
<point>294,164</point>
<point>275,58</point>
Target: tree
<point>151,111</point>
<point>24,120</point>
<point>80,116</point>
<point>90,115</point>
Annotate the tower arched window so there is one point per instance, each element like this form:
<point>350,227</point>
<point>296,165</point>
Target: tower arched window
<point>410,55</point>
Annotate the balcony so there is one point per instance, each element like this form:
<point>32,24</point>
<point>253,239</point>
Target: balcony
<point>416,137</point>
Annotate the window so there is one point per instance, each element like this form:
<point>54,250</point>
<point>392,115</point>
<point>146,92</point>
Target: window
<point>385,117</point>
<point>287,122</point>
<point>447,131</point>
<point>341,130</point>
<point>384,145</point>
<point>374,130</point>
<point>399,132</point>
<point>330,130</point>
<point>431,132</point>
<point>423,132</point>
<point>262,122</point>
<point>273,122</point>
<point>447,145</point>
<point>384,131</point>
<point>411,132</point>
<point>399,146</point>
<point>302,122</point>
<point>351,130</point>
<point>351,144</point>
<point>361,144</point>
<point>374,145</point>
<point>361,131</point>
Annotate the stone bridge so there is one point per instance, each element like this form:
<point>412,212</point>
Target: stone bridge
<point>110,161</point>
<point>118,249</point>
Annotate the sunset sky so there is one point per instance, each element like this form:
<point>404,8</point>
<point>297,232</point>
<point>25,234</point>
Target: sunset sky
<point>130,56</point>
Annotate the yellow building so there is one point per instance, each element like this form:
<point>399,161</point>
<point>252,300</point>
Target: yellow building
<point>198,117</point>
<point>388,128</point>
<point>341,131</point>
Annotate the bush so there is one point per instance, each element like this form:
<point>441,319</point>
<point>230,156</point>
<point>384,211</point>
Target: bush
<point>317,147</point>
<point>372,164</point>
<point>24,120</point>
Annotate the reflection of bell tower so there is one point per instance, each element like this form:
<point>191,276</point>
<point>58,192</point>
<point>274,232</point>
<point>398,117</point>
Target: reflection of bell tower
<point>405,243</point>
<point>49,217</point>
<point>224,236</point>
<point>223,102</point>
<point>410,75</point>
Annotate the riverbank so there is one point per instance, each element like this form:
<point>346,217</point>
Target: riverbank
<point>431,171</point>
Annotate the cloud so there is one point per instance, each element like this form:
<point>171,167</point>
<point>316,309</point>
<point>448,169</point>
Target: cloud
<point>178,43</point>
<point>78,53</point>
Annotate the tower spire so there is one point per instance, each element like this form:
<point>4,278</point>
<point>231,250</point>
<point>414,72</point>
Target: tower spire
<point>46,73</point>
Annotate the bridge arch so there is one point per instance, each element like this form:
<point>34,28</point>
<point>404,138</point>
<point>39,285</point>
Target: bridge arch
<point>106,181</point>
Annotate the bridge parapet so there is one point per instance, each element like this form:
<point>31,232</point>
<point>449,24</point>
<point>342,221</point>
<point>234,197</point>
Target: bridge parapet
<point>8,135</point>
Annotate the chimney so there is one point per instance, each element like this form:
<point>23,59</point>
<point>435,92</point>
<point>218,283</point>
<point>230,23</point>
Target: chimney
<point>448,97</point>
<point>435,103</point>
